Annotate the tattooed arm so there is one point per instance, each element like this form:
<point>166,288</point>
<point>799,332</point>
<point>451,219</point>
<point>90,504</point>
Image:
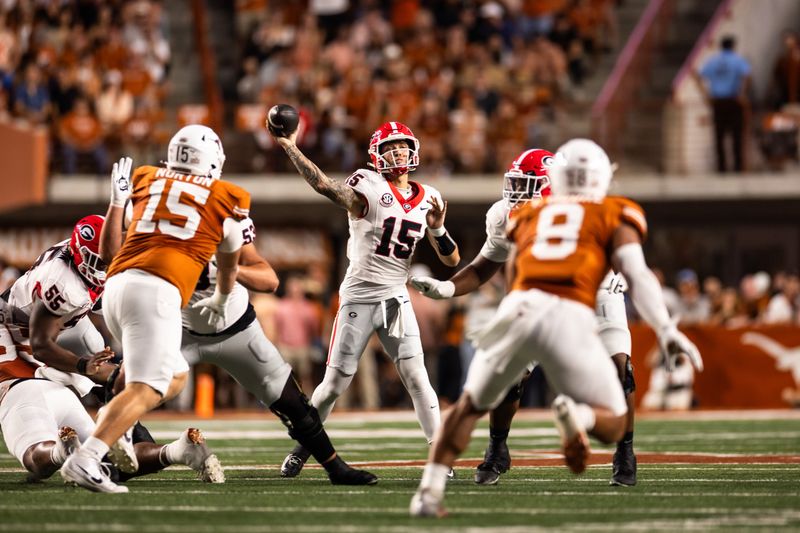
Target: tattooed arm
<point>337,191</point>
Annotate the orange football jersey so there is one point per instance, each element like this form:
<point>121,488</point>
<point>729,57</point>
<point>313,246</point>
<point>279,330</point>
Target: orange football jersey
<point>14,343</point>
<point>563,243</point>
<point>177,224</point>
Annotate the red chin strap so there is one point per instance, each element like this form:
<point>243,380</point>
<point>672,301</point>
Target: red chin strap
<point>395,172</point>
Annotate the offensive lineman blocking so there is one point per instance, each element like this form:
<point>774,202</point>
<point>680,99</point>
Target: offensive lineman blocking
<point>237,342</point>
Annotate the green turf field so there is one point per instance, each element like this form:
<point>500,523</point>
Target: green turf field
<point>676,491</point>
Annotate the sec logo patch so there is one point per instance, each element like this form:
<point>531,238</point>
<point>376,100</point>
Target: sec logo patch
<point>387,200</point>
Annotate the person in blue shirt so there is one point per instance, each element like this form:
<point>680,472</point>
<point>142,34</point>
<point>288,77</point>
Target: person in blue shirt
<point>724,80</point>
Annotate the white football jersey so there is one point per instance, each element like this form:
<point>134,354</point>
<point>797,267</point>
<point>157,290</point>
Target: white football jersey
<point>497,247</point>
<point>383,239</point>
<point>54,280</point>
<point>237,302</point>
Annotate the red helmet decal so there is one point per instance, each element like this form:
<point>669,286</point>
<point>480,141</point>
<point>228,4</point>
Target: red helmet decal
<point>84,247</point>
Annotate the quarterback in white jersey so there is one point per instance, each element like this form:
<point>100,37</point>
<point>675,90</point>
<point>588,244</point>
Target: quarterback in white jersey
<point>388,214</point>
<point>525,179</point>
<point>236,343</point>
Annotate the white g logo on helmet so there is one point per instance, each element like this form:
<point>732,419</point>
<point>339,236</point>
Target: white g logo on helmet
<point>197,150</point>
<point>586,171</point>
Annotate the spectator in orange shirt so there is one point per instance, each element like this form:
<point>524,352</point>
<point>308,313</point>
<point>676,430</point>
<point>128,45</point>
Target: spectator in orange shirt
<point>81,133</point>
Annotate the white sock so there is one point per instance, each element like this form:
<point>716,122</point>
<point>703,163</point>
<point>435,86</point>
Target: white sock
<point>95,448</point>
<point>173,452</point>
<point>585,415</point>
<point>57,455</point>
<point>434,477</point>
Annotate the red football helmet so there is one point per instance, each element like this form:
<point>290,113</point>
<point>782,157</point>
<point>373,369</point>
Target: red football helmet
<point>394,131</point>
<point>526,177</point>
<point>84,247</point>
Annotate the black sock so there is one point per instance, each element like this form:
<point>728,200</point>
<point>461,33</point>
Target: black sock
<point>335,465</point>
<point>627,439</point>
<point>498,436</point>
<point>302,452</point>
<point>303,423</point>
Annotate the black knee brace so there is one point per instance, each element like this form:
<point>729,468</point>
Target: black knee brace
<point>302,420</point>
<point>628,383</point>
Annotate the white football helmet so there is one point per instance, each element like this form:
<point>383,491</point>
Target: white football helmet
<point>197,150</point>
<point>587,171</point>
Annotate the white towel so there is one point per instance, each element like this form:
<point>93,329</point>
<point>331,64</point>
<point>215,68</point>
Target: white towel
<point>81,384</point>
<point>398,327</point>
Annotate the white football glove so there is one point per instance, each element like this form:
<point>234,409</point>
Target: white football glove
<point>433,288</point>
<point>673,344</point>
<point>213,307</point>
<point>121,182</point>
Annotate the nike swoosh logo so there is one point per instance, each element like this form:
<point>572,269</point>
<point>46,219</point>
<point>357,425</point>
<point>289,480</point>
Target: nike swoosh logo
<point>96,480</point>
<point>424,208</point>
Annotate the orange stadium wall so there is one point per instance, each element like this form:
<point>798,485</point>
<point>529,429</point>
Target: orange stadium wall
<point>24,177</point>
<point>746,368</point>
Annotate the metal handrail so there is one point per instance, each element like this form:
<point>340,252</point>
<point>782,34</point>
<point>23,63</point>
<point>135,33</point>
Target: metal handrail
<point>619,94</point>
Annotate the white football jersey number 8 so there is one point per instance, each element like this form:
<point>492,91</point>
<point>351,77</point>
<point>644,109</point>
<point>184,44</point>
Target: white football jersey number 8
<point>565,230</point>
<point>174,206</point>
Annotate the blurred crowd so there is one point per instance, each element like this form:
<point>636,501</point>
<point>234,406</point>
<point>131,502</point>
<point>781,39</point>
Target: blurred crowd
<point>93,72</point>
<point>477,81</point>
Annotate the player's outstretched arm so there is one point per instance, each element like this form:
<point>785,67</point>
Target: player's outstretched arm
<point>228,252</point>
<point>648,298</point>
<point>337,191</point>
<point>466,280</point>
<point>111,233</point>
<point>255,272</point>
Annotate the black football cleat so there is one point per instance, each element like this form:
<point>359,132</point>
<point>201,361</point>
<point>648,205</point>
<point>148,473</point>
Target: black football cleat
<point>294,462</point>
<point>624,467</point>
<point>496,461</point>
<point>340,473</point>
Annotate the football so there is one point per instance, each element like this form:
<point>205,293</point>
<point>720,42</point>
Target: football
<point>282,120</point>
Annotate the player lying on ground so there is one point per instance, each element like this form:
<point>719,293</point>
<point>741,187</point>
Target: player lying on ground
<point>387,214</point>
<point>565,246</point>
<point>237,344</point>
<point>525,180</point>
<point>52,352</point>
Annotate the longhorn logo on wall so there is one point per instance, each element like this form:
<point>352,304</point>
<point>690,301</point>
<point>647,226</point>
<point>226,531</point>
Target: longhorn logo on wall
<point>786,360</point>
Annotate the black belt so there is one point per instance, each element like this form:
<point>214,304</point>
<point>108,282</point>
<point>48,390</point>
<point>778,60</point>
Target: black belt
<point>242,324</point>
<point>17,381</point>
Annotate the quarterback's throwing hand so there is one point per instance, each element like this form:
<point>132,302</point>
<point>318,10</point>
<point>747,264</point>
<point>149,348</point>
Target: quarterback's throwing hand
<point>673,343</point>
<point>121,181</point>
<point>433,288</point>
<point>212,308</point>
